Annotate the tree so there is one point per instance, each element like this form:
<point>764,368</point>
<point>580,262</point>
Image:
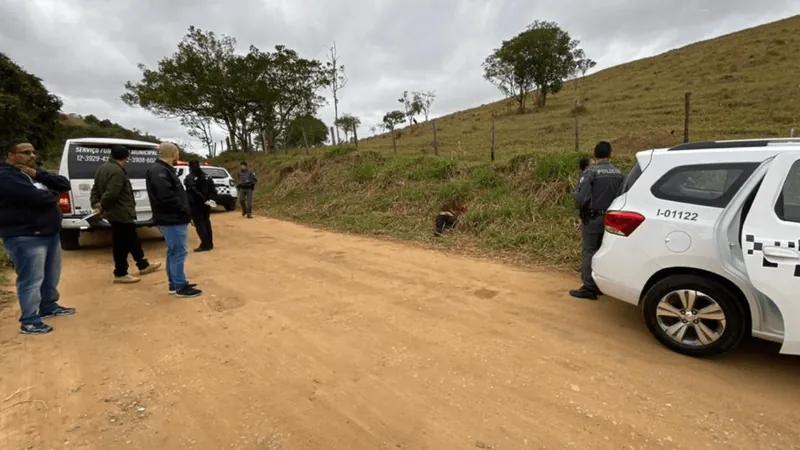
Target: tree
<point>582,65</point>
<point>27,109</point>
<point>193,82</point>
<point>349,124</point>
<point>541,57</point>
<point>254,96</point>
<point>200,128</point>
<point>374,129</point>
<point>338,81</point>
<point>305,131</point>
<point>411,106</point>
<point>424,99</point>
<point>390,121</point>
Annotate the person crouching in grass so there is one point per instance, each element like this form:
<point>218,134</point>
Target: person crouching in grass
<point>448,216</point>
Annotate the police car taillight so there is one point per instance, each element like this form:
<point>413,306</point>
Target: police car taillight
<point>63,203</point>
<point>622,223</point>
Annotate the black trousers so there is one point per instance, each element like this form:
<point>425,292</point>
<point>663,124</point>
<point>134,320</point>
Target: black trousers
<point>201,217</point>
<point>443,222</point>
<point>126,241</point>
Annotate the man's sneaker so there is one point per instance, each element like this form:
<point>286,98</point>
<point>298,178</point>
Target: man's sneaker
<point>58,311</point>
<point>150,269</point>
<point>173,291</point>
<point>127,279</point>
<point>35,328</point>
<point>188,292</point>
<point>583,293</point>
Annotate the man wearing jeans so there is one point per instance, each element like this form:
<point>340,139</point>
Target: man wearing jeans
<point>30,221</point>
<point>112,197</point>
<point>170,208</point>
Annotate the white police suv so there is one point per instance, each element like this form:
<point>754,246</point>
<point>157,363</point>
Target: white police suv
<point>705,238</point>
<point>223,181</point>
<point>79,161</point>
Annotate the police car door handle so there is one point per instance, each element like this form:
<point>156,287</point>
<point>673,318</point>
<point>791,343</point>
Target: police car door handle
<point>780,253</point>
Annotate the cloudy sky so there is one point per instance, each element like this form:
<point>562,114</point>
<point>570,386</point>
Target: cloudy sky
<point>85,50</point>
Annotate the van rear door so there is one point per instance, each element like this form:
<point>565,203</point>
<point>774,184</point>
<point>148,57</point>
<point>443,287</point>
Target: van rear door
<point>85,157</point>
<point>771,243</point>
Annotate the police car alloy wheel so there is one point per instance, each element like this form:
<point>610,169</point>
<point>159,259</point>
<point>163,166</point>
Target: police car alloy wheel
<point>694,315</point>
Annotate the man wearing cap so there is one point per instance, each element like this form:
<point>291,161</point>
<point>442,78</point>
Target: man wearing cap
<point>112,198</point>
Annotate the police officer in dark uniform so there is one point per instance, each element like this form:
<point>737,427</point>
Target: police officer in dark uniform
<point>202,195</point>
<point>598,186</point>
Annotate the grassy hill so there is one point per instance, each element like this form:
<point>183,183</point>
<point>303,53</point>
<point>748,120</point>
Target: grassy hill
<point>743,85</point>
<point>519,208</point>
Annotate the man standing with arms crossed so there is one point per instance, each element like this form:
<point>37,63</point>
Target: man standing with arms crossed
<point>246,186</point>
<point>598,186</point>
<point>30,222</point>
<point>112,197</point>
<point>171,214</point>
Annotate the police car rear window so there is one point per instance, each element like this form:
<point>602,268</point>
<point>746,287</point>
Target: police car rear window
<point>84,159</point>
<point>215,172</point>
<point>711,185</point>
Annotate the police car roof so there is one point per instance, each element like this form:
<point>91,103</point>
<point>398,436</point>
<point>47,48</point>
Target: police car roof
<point>736,143</point>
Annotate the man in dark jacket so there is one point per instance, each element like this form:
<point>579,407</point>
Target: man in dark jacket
<point>30,221</point>
<point>245,186</point>
<point>202,197</point>
<point>112,197</point>
<point>171,214</point>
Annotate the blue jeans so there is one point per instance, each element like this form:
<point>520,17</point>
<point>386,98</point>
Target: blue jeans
<point>37,261</point>
<point>177,239</point>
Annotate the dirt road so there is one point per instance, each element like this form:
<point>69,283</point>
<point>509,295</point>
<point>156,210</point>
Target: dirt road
<point>307,339</point>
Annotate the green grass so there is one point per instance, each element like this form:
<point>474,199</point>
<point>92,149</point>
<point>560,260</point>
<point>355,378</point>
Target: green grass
<point>518,209</point>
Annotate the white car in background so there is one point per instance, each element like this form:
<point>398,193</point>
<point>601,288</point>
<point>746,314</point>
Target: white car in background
<point>705,238</point>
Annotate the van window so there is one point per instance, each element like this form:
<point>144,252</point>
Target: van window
<point>84,159</point>
<point>788,206</point>
<point>215,172</point>
<point>711,185</point>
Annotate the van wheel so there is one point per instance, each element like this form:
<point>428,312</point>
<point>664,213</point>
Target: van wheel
<point>230,206</point>
<point>694,315</point>
<point>70,239</point>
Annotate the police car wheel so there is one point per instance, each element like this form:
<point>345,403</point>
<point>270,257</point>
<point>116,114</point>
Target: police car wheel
<point>694,315</point>
<point>70,239</point>
<point>230,206</point>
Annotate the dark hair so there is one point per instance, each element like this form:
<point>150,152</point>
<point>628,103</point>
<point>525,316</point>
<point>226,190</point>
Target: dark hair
<point>584,163</point>
<point>194,164</point>
<point>602,150</point>
<point>8,146</point>
<point>119,152</point>
<point>243,163</point>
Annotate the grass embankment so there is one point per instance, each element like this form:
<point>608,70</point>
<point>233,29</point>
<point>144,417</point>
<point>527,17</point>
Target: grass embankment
<point>743,85</point>
<point>518,210</point>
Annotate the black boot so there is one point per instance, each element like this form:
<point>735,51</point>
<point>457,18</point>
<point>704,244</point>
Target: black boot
<point>584,293</point>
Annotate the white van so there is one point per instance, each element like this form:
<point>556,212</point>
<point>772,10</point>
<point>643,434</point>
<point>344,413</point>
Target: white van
<point>80,160</point>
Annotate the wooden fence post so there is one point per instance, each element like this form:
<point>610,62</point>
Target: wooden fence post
<point>435,141</point>
<point>493,139</point>
<point>687,111</point>
<point>577,126</point>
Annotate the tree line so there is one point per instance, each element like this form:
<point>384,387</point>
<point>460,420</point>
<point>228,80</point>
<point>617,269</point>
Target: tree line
<point>266,100</point>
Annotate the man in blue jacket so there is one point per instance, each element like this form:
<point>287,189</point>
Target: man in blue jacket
<point>30,222</point>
